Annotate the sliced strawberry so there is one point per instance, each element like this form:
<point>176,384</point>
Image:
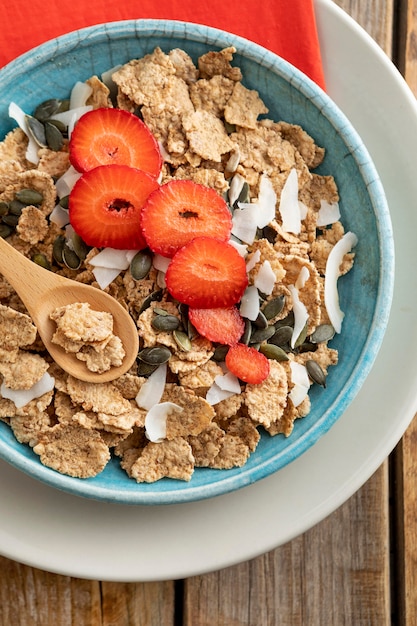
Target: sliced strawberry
<point>181,210</point>
<point>247,364</point>
<point>105,205</point>
<point>224,326</point>
<point>207,273</point>
<point>113,136</point>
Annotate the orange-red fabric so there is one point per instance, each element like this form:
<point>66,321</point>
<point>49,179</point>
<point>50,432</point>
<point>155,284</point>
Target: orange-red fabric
<point>287,27</point>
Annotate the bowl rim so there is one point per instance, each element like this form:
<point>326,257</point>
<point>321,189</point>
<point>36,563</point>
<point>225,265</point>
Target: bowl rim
<point>254,52</point>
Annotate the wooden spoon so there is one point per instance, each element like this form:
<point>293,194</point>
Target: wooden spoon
<point>42,291</point>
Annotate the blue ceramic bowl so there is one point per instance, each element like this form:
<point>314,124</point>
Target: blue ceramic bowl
<point>50,70</point>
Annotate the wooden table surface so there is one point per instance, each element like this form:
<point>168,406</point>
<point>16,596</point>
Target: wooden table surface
<point>358,567</point>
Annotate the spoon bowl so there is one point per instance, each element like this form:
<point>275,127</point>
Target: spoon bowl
<point>42,291</point>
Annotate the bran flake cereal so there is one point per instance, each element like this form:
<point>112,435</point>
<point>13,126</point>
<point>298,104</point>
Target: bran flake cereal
<point>214,131</point>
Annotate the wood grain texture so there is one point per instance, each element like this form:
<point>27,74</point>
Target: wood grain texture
<point>375,16</point>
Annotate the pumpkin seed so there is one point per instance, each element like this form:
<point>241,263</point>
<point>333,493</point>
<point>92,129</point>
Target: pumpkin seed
<point>165,322</point>
<point>262,334</point>
<point>261,321</point>
<point>47,108</point>
<point>230,128</point>
<point>191,331</point>
<point>53,137</point>
<point>5,231</point>
<point>307,346</point>
<point>141,264</point>
<point>273,352</point>
<point>59,125</point>
<point>36,130</point>
<point>220,353</point>
<point>323,332</point>
<point>269,233</point>
<point>288,320</point>
<point>64,202</point>
<point>301,337</point>
<point>157,355</point>
<point>145,369</point>
<point>16,207</point>
<point>273,307</point>
<point>29,197</point>
<point>70,258</point>
<point>316,372</point>
<point>57,249</point>
<point>40,259</point>
<point>155,296</point>
<point>282,336</point>
<point>79,246</point>
<point>182,339</point>
<point>4,208</point>
<point>10,220</point>
<point>159,311</point>
<point>245,338</point>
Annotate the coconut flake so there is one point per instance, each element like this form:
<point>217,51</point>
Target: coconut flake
<point>301,382</point>
<point>21,397</point>
<point>242,248</point>
<point>249,305</point>
<point>236,186</point>
<point>329,213</point>
<point>105,276</point>
<point>289,206</point>
<point>161,262</point>
<point>300,314</point>
<point>228,382</point>
<point>152,389</point>
<point>267,201</point>
<point>302,278</point>
<point>255,258</point>
<point>66,182</point>
<point>113,258</point>
<point>59,216</point>
<point>156,420</point>
<point>19,116</point>
<point>79,95</point>
<point>244,222</point>
<point>215,394</point>
<point>331,295</point>
<point>265,278</point>
<point>71,117</point>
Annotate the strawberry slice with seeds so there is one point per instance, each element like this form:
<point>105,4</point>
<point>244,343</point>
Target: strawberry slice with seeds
<point>207,273</point>
<point>223,326</point>
<point>105,205</point>
<point>113,136</point>
<point>181,210</point>
<point>247,364</point>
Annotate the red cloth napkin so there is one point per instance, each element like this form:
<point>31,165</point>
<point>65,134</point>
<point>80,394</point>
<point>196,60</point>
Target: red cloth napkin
<point>287,27</point>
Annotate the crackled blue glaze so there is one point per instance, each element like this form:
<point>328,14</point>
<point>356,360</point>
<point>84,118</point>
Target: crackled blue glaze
<point>51,70</point>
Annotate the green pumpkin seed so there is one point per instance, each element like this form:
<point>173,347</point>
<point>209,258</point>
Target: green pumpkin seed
<point>141,264</point>
<point>46,109</point>
<point>57,249</point>
<point>182,340</point>
<point>40,259</point>
<point>165,322</point>
<point>316,372</point>
<point>70,258</point>
<point>79,246</point>
<point>29,197</point>
<point>16,207</point>
<point>5,231</point>
<point>301,337</point>
<point>230,128</point>
<point>53,137</point>
<point>273,352</point>
<point>282,336</point>
<point>220,353</point>
<point>288,320</point>
<point>64,202</point>
<point>36,130</point>
<point>4,208</point>
<point>261,321</point>
<point>155,296</point>
<point>323,333</point>
<point>245,338</point>
<point>192,332</point>
<point>262,334</point>
<point>145,369</point>
<point>10,220</point>
<point>59,125</point>
<point>156,355</point>
<point>273,307</point>
<point>307,346</point>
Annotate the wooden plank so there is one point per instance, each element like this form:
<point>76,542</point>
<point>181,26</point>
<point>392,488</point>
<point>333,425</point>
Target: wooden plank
<point>138,604</point>
<point>336,573</point>
<point>375,16</point>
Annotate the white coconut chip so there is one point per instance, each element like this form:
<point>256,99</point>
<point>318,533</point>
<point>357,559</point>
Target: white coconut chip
<point>267,201</point>
<point>255,258</point>
<point>71,117</point>
<point>289,207</point>
<point>228,382</point>
<point>249,305</point>
<point>301,382</point>
<point>152,389</point>
<point>242,248</point>
<point>156,420</point>
<point>59,216</point>
<point>302,278</point>
<point>236,186</point>
<point>66,182</point>
<point>331,294</point>
<point>300,314</point>
<point>244,222</point>
<point>161,263</point>
<point>79,95</point>
<point>19,116</point>
<point>329,213</point>
<point>21,397</point>
<point>215,394</point>
<point>108,264</point>
<point>105,276</point>
<point>265,278</point>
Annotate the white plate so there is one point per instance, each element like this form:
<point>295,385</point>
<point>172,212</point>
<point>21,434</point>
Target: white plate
<point>58,532</point>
